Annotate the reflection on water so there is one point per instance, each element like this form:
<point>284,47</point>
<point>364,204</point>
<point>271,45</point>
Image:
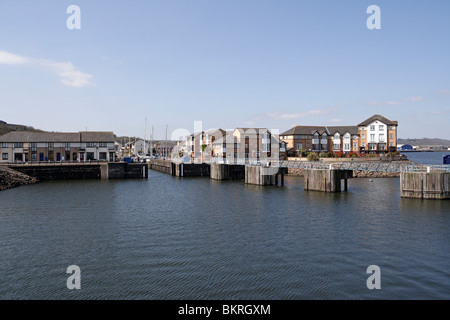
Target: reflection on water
<point>196,238</point>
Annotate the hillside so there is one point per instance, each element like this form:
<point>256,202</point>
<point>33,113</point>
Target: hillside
<point>7,127</point>
<point>425,142</point>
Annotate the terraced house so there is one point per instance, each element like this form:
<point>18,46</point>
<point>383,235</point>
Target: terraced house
<point>25,146</point>
<point>376,135</point>
<point>241,145</point>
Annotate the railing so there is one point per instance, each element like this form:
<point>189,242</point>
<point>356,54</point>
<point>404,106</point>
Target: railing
<point>55,163</point>
<point>345,165</point>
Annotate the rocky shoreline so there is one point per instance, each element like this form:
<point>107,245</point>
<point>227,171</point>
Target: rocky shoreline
<point>10,178</point>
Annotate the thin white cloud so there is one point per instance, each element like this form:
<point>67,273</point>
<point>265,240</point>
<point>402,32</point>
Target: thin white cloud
<point>110,59</point>
<point>438,112</point>
<point>11,58</point>
<point>68,74</point>
<point>414,99</point>
<point>374,103</point>
<point>298,115</point>
<point>430,113</point>
<point>393,102</point>
<point>335,120</point>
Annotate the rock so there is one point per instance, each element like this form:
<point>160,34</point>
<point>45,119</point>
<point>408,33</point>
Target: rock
<point>10,178</point>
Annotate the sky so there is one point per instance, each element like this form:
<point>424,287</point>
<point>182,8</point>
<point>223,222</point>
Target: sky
<point>137,65</point>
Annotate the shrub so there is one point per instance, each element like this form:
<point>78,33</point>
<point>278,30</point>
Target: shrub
<point>323,155</point>
<point>338,154</point>
<point>330,155</point>
<point>313,157</point>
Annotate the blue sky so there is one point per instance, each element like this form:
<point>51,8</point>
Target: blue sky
<point>250,63</point>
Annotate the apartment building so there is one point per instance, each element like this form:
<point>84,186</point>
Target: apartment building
<point>25,146</point>
<point>237,146</point>
<point>376,134</point>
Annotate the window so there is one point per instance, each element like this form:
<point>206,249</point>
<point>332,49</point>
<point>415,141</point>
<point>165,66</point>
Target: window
<point>299,146</point>
<point>391,128</point>
<point>246,155</point>
<point>363,128</point>
<point>355,145</point>
<point>4,156</point>
<point>102,156</point>
<point>18,145</point>
<point>391,144</point>
<point>346,146</point>
<point>391,136</point>
<point>67,145</point>
<point>246,146</point>
<point>381,137</point>
<point>307,145</point>
<point>50,146</point>
<point>381,127</point>
<point>372,128</point>
<point>33,146</point>
<point>33,157</point>
<point>103,144</point>
<point>363,144</point>
<point>372,146</point>
<point>372,137</point>
<point>90,144</point>
<point>363,136</point>
<point>337,147</point>
<point>5,145</point>
<point>235,145</point>
<point>224,145</point>
<point>90,156</point>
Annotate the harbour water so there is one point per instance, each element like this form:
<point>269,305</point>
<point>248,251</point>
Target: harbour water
<point>431,158</point>
<point>196,238</point>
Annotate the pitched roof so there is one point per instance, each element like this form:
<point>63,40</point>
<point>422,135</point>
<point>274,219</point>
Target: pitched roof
<point>28,136</point>
<point>379,118</point>
<point>252,130</point>
<point>343,129</point>
<point>96,136</point>
<point>304,130</point>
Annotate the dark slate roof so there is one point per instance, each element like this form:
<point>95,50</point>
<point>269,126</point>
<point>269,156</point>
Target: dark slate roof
<point>343,129</point>
<point>379,118</point>
<point>253,130</point>
<point>27,136</point>
<point>96,136</point>
<point>310,130</point>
